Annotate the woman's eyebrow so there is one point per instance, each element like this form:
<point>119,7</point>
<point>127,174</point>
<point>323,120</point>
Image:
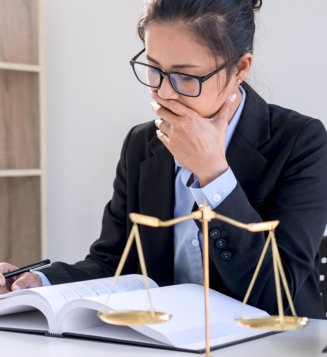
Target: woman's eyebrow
<point>175,66</point>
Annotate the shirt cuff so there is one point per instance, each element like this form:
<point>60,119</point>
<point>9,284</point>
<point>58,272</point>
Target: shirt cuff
<point>216,191</point>
<point>44,279</point>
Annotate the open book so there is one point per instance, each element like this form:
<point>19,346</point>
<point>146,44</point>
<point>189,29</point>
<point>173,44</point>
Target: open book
<point>71,310</point>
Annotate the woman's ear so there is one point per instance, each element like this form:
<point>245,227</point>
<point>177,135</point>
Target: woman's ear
<point>243,66</point>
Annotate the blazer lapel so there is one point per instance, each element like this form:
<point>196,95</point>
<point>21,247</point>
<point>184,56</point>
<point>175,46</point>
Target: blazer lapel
<point>243,154</point>
<point>156,198</point>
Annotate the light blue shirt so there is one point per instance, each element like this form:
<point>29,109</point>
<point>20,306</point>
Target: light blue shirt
<point>45,280</point>
<point>187,237</point>
<point>188,267</point>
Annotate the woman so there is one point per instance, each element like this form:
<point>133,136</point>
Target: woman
<point>217,140</point>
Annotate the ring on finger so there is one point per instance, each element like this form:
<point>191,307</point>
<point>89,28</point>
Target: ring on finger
<point>158,122</point>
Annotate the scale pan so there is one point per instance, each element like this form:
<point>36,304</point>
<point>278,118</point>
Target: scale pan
<point>133,317</point>
<point>274,323</point>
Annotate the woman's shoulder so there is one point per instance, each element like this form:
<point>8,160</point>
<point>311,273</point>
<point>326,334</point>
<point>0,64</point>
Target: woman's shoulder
<point>139,140</point>
<point>281,120</point>
<point>146,129</point>
<point>292,123</point>
<point>300,136</point>
<point>141,134</point>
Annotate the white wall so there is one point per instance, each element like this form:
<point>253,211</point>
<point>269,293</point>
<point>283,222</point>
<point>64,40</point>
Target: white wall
<point>291,55</point>
<point>93,98</point>
<point>92,101</point>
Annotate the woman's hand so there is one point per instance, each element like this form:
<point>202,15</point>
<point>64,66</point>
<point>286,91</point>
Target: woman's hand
<point>199,144</point>
<point>23,281</point>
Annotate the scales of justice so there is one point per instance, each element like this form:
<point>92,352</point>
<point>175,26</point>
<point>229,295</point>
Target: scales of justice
<point>205,214</point>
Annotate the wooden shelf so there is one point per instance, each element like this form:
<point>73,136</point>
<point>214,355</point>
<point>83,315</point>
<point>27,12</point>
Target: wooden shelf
<point>19,31</point>
<point>20,173</point>
<point>20,123</point>
<point>22,132</point>
<point>20,67</point>
<point>20,229</point>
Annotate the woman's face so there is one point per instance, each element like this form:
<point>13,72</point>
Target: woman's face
<point>172,48</point>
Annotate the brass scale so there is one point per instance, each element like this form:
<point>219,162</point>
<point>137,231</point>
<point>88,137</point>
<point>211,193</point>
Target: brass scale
<point>205,214</point>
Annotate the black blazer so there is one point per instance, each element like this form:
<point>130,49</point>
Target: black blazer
<point>279,158</point>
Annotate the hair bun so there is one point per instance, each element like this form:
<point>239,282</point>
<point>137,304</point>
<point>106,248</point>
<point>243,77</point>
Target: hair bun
<point>256,4</point>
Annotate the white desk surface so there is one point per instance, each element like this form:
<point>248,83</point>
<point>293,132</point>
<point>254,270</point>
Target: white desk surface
<point>307,342</point>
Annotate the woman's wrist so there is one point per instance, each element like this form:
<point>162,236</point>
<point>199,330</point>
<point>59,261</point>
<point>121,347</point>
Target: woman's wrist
<point>207,176</point>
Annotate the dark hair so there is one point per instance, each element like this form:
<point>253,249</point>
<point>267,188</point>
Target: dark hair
<point>226,26</point>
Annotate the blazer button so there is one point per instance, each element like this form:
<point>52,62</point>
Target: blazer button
<point>214,233</point>
<point>226,255</point>
<point>220,243</point>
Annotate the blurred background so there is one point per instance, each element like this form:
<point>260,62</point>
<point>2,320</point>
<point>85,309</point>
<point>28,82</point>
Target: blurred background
<point>93,99</point>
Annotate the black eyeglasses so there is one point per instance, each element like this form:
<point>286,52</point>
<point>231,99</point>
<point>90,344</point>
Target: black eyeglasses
<point>184,84</point>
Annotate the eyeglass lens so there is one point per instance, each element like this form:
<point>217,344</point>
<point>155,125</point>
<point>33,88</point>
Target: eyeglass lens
<point>186,85</point>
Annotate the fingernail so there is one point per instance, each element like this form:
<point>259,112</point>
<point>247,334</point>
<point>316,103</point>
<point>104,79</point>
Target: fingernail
<point>232,98</point>
<point>158,121</point>
<point>16,287</point>
<point>154,105</point>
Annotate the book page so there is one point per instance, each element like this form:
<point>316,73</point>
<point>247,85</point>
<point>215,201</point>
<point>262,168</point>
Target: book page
<point>50,299</point>
<point>28,320</point>
<point>59,295</point>
<point>186,328</point>
<point>186,304</point>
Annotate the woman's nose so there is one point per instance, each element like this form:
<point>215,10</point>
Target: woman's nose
<point>166,91</point>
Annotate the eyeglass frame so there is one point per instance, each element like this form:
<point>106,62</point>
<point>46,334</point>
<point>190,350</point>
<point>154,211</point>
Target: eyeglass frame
<point>163,73</point>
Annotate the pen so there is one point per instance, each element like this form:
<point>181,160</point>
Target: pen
<point>35,266</point>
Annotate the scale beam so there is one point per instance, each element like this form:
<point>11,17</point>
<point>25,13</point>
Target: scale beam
<point>205,214</point>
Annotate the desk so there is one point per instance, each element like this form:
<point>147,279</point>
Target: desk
<point>307,342</point>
